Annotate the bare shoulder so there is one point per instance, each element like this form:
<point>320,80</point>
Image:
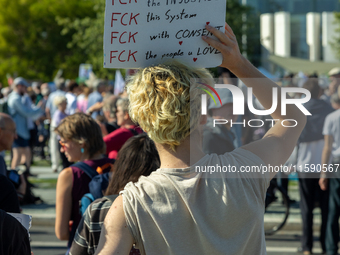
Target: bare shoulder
<point>66,173</point>
<point>65,177</point>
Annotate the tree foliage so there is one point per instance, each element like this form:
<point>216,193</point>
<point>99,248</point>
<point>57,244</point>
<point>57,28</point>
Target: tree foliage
<point>336,42</point>
<point>31,43</point>
<point>38,37</point>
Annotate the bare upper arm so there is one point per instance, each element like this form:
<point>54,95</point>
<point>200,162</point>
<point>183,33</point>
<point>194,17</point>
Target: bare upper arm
<point>63,203</point>
<point>276,146</point>
<point>328,142</point>
<point>115,237</point>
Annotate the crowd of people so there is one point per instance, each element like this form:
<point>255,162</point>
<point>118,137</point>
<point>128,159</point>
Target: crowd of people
<point>127,181</point>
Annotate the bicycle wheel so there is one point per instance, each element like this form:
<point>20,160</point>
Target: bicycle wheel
<point>277,211</point>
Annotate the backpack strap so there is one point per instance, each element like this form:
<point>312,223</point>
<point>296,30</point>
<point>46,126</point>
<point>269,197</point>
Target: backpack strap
<point>86,168</point>
<point>111,197</point>
<point>134,132</point>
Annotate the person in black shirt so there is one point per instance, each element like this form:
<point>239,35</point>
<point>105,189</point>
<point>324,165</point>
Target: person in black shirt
<point>8,196</point>
<point>14,238</point>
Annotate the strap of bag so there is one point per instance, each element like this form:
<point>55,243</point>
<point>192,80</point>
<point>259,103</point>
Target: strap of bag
<point>86,168</point>
<point>111,197</point>
<point>134,132</point>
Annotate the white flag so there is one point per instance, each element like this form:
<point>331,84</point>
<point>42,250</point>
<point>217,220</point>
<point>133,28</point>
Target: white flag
<point>119,83</point>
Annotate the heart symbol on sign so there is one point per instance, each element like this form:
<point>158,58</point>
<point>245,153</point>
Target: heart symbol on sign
<point>180,43</point>
<point>208,23</point>
<point>195,59</point>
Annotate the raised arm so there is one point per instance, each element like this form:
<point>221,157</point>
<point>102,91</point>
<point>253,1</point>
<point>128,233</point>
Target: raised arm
<point>278,143</point>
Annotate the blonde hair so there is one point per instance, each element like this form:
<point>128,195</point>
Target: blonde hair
<point>164,103</point>
<point>58,100</point>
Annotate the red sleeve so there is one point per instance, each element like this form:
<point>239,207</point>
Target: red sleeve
<point>115,140</point>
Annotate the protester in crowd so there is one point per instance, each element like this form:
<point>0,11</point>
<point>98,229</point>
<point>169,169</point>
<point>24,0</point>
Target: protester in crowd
<point>29,100</point>
<point>80,140</point>
<point>330,179</point>
<point>60,102</point>
<point>14,237</point>
<point>109,110</point>
<point>176,199</point>
<point>82,99</point>
<point>96,96</point>
<point>43,123</point>
<point>137,157</point>
<point>36,88</point>
<point>71,96</point>
<point>219,138</point>
<point>8,195</point>
<point>310,145</point>
<point>50,109</point>
<point>115,140</point>
<point>20,113</point>
<point>334,77</point>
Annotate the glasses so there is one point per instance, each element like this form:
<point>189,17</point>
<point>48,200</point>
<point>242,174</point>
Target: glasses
<point>62,144</point>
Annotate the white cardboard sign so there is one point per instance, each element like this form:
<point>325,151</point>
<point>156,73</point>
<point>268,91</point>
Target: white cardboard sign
<point>140,33</point>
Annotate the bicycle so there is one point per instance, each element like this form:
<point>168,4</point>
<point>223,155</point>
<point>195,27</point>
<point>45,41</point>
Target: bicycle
<point>276,208</point>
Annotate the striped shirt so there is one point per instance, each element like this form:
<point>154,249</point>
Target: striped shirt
<point>87,235</point>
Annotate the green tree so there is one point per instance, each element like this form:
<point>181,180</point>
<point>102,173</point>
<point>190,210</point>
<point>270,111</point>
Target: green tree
<point>31,44</point>
<point>336,42</point>
<point>245,21</point>
<point>87,37</point>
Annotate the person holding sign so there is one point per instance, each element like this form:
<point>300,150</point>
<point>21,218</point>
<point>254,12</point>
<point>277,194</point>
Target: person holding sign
<point>176,210</point>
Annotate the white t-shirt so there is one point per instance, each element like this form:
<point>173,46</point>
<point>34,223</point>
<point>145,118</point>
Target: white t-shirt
<point>71,103</point>
<point>332,127</point>
<point>309,156</point>
<point>180,211</point>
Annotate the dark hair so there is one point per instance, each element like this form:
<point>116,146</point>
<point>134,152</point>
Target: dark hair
<point>72,85</point>
<point>137,157</point>
<point>312,85</point>
<point>221,70</point>
<point>82,129</point>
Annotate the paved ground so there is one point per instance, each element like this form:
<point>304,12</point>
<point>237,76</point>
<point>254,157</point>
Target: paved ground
<point>44,242</point>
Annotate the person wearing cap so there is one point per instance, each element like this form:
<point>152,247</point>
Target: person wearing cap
<point>99,87</point>
<point>20,113</point>
<point>334,77</point>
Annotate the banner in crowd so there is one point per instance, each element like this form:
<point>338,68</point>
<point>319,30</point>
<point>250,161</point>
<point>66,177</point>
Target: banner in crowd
<point>84,71</point>
<point>141,33</point>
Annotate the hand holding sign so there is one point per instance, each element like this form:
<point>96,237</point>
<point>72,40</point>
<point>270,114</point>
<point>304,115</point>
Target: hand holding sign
<point>142,33</point>
<point>227,45</point>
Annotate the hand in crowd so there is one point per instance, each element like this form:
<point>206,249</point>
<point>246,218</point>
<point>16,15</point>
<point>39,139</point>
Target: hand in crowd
<point>323,182</point>
<point>96,107</point>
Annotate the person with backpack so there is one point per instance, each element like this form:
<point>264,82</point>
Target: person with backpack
<point>81,141</point>
<point>137,157</point>
<point>115,140</point>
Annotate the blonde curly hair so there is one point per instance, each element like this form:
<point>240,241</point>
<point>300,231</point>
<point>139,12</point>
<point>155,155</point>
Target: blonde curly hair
<point>166,102</point>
